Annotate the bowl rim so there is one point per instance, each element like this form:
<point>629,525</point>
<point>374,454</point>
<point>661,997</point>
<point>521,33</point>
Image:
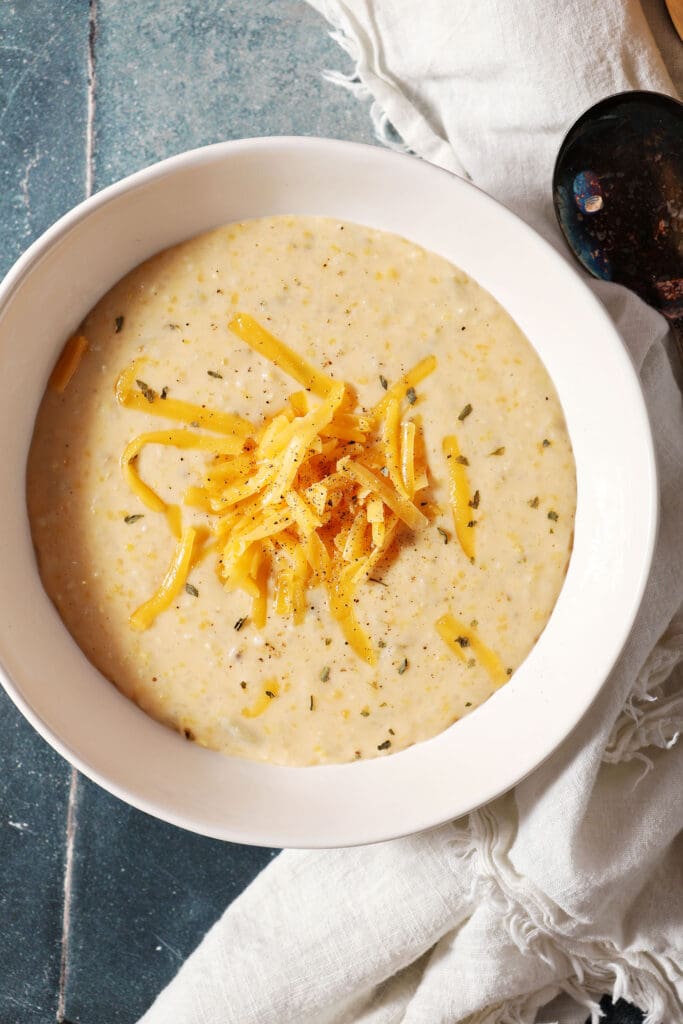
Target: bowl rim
<point>420,820</point>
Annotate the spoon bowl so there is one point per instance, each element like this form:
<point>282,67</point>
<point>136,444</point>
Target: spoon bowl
<point>618,196</point>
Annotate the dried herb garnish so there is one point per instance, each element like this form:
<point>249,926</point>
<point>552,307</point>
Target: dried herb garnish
<point>443,533</point>
<point>498,451</point>
<point>471,524</point>
<point>373,579</point>
<point>269,693</point>
<point>164,393</point>
<point>508,671</point>
<point>133,518</point>
<point>462,641</point>
<point>118,324</point>
<point>215,373</point>
<point>240,623</point>
<point>191,590</point>
<point>553,515</point>
<point>465,412</point>
<point>533,502</point>
<point>545,442</point>
<point>325,674</point>
<point>147,391</point>
<point>462,460</point>
<point>384,382</point>
<point>385,745</point>
<point>189,735</point>
<point>468,703</point>
<point>311,703</point>
<point>474,501</point>
<point>392,733</point>
<point>365,712</point>
<point>411,396</point>
<point>243,685</point>
<point>328,641</point>
<point>403,666</point>
<point>381,643</point>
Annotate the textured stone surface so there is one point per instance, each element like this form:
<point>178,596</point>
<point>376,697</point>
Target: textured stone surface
<point>143,894</point>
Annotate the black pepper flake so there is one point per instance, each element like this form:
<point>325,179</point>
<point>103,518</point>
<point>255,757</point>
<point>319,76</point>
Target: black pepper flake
<point>468,703</point>
<point>134,518</point>
<point>385,745</point>
<point>164,393</point>
<point>508,671</point>
<point>215,373</point>
<point>118,324</point>
<point>545,442</point>
<point>462,641</point>
<point>533,502</point>
<point>411,396</point>
<point>472,523</point>
<point>328,641</point>
<point>189,735</point>
<point>553,515</point>
<point>357,755</point>
<point>325,674</point>
<point>498,451</point>
<point>191,590</point>
<point>374,579</point>
<point>147,391</point>
<point>474,501</point>
<point>465,412</point>
<point>269,693</point>
<point>243,685</point>
<point>240,623</point>
<point>440,530</point>
<point>311,703</point>
<point>462,460</point>
<point>384,382</point>
<point>403,666</point>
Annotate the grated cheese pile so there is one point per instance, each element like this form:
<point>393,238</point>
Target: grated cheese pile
<point>311,497</point>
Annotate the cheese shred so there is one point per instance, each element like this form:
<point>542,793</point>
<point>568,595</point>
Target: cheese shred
<point>465,643</point>
<point>311,497</point>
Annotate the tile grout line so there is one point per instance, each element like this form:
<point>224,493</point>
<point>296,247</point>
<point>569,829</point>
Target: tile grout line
<point>68,877</point>
<point>90,113</point>
<point>73,786</point>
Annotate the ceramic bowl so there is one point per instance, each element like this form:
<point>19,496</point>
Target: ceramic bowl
<point>62,275</point>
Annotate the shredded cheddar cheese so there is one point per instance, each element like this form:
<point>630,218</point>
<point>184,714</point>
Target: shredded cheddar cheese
<point>459,496</point>
<point>68,363</point>
<point>311,497</point>
<point>462,640</point>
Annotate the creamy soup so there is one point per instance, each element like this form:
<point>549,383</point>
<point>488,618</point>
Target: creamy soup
<point>338,600</point>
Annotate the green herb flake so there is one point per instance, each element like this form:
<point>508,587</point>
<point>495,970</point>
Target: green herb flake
<point>147,391</point>
<point>328,641</point>
<point>385,745</point>
<point>133,518</point>
<point>269,693</point>
<point>240,623</point>
<point>325,674</point>
<point>462,641</point>
<point>553,515</point>
<point>411,396</point>
<point>472,523</point>
<point>462,460</point>
<point>508,671</point>
<point>365,713</point>
<point>191,590</point>
<point>545,442</point>
<point>474,500</point>
<point>243,685</point>
<point>440,530</point>
<point>215,373</point>
<point>465,412</point>
<point>533,502</point>
<point>118,324</point>
<point>403,666</point>
<point>498,451</point>
<point>381,643</point>
<point>164,393</point>
<point>468,703</point>
<point>471,663</point>
<point>383,381</point>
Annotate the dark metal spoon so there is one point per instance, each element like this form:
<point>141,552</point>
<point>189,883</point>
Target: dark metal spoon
<point>618,196</point>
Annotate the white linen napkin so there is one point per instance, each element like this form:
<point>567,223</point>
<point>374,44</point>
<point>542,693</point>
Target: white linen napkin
<point>572,884</point>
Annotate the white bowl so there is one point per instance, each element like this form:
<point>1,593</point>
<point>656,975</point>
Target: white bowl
<point>57,281</point>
